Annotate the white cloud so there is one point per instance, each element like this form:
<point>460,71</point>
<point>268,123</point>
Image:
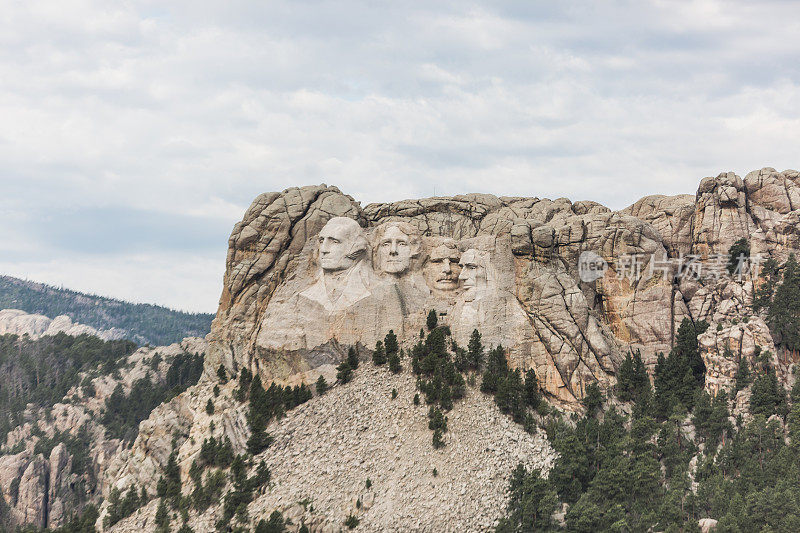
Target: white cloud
<point>191,109</point>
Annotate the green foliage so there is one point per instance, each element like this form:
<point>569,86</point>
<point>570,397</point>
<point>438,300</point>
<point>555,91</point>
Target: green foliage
<point>632,380</point>
<point>390,343</point>
<point>783,315</point>
<point>162,517</point>
<point>475,351</point>
<point>532,396</point>
<point>592,399</point>
<point>531,504</point>
<point>124,412</point>
<point>145,323</point>
<point>122,507</point>
<point>352,522</point>
<point>216,453</point>
<point>169,485</point>
<point>344,372</point>
<point>321,386</point>
<point>237,499</point>
<point>432,320</point>
<point>394,363</point>
<point>82,523</point>
<point>275,524</point>
<point>264,405</point>
<point>738,253</point>
<point>352,358</point>
<point>209,407</point>
<point>438,423</point>
<point>222,376</point>
<point>743,378</point>
<point>679,376</point>
<point>42,371</point>
<point>379,355</point>
<point>768,397</point>
<point>769,276</point>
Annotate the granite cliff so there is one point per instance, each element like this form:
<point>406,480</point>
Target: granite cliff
<point>276,317</point>
<point>567,289</point>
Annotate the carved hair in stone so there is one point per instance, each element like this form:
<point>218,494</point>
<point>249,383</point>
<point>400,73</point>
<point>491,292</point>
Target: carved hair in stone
<point>475,272</point>
<point>396,245</point>
<point>344,275</point>
<point>341,244</point>
<point>441,269</point>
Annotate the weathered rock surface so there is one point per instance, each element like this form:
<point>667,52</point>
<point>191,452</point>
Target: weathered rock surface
<point>14,321</point>
<point>42,490</point>
<point>309,272</point>
<point>326,449</point>
<point>277,315</point>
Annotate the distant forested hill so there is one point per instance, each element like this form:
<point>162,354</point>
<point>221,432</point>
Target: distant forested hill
<point>144,323</point>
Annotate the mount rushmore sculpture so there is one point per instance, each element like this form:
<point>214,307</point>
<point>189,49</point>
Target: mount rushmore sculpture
<point>360,284</point>
<point>310,273</point>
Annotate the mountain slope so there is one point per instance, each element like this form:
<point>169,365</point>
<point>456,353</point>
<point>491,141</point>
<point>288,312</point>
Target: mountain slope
<point>142,323</point>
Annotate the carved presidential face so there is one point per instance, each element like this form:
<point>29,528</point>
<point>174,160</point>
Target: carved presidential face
<point>396,248</point>
<point>473,269</point>
<point>441,270</point>
<point>341,244</point>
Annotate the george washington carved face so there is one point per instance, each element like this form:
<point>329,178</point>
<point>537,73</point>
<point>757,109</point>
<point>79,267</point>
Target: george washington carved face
<point>341,244</point>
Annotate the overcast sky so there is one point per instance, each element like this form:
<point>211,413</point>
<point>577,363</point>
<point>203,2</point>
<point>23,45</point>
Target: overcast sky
<point>134,134</point>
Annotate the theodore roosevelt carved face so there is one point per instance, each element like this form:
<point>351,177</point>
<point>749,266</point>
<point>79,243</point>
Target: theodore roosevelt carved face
<point>397,244</point>
<point>341,244</point>
<point>441,270</point>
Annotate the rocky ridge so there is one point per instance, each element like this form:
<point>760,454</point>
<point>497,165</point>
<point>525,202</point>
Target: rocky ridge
<point>16,322</point>
<point>41,487</point>
<point>325,451</point>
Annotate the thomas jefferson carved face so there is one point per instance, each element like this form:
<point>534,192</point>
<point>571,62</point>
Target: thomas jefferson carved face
<point>341,244</point>
<point>441,270</point>
<point>397,244</point>
<point>473,269</point>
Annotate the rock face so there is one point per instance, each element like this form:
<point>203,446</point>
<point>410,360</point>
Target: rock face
<point>508,267</point>
<point>14,321</point>
<point>325,451</point>
<point>41,488</point>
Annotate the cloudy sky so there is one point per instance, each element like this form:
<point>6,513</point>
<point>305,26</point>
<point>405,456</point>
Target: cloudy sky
<point>134,134</point>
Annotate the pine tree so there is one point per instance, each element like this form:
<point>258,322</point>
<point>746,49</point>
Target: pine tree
<point>742,373</point>
<point>390,343</point>
<point>162,517</point>
<point>322,385</point>
<point>532,395</point>
<point>737,254</point>
<point>475,350</point>
<point>275,524</point>
<point>783,316</point>
<point>222,375</point>
<point>394,363</point>
<point>352,358</point>
<point>433,320</point>
<point>344,372</point>
<point>209,407</point>
<point>592,399</point>
<point>625,379</point>
<point>767,397</point>
<point>438,441</point>
<point>379,355</point>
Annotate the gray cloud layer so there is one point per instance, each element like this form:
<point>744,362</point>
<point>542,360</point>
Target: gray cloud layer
<point>133,135</point>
